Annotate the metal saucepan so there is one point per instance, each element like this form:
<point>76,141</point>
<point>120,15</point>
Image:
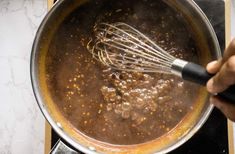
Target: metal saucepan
<point>204,36</point>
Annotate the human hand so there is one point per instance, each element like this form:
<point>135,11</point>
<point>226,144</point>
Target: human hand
<point>225,76</point>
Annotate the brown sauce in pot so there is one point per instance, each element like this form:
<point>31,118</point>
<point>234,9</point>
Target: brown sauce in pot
<point>115,106</point>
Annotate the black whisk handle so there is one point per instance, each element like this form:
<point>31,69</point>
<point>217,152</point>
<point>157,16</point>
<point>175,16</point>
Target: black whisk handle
<point>198,74</point>
<point>228,94</point>
<point>195,73</point>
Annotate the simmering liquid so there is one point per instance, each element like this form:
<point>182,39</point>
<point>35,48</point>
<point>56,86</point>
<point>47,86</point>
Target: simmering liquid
<point>115,106</point>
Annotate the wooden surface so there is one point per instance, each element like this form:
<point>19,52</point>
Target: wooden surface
<point>230,124</point>
<point>49,4</point>
<point>47,138</point>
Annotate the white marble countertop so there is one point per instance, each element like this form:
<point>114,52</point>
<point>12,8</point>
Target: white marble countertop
<point>21,122</point>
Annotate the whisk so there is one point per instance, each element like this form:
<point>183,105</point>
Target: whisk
<point>122,47</point>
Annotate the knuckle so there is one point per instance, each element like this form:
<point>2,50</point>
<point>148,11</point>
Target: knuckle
<point>218,81</point>
<point>231,64</point>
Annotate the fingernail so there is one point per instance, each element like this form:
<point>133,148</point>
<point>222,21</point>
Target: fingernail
<point>209,85</point>
<point>211,64</point>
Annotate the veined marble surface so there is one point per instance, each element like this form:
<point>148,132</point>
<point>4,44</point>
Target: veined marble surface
<point>21,122</point>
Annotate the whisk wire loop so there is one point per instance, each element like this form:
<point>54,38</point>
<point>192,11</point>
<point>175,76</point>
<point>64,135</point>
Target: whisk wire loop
<point>122,47</point>
<point>115,27</point>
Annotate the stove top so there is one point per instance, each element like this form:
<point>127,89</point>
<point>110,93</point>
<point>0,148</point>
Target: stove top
<point>213,136</point>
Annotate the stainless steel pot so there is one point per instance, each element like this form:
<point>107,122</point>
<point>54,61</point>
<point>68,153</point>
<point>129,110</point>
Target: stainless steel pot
<point>205,36</point>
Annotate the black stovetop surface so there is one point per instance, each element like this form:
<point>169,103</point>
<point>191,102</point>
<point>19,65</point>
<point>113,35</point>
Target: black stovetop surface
<point>212,138</point>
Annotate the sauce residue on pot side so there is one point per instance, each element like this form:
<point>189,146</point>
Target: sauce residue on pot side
<point>115,106</point>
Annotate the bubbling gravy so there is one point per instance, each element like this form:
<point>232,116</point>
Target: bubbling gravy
<point>115,106</point>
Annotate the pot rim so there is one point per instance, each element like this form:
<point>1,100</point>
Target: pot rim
<point>56,125</point>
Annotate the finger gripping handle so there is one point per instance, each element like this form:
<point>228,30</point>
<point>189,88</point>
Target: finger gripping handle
<point>198,74</point>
